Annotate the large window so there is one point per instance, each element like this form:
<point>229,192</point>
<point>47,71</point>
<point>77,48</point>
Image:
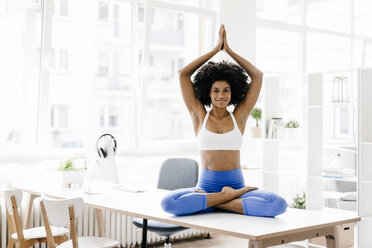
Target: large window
<point>90,73</point>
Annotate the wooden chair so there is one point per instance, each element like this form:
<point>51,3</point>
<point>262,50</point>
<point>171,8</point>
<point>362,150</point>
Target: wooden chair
<point>63,213</point>
<point>28,237</point>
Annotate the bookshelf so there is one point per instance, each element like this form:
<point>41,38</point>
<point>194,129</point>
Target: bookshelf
<point>365,157</point>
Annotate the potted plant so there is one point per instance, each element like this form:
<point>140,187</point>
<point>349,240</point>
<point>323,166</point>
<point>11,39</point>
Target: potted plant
<point>73,171</point>
<point>299,201</point>
<point>291,129</point>
<point>256,114</point>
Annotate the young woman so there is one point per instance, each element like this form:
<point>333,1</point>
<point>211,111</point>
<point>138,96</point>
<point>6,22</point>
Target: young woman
<point>219,135</point>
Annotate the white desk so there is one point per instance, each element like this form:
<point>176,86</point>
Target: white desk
<point>294,225</point>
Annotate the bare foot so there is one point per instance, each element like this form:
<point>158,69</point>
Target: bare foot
<point>199,191</point>
<point>236,193</point>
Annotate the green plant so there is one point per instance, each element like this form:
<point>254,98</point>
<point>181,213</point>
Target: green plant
<point>300,201</point>
<point>292,124</point>
<point>70,164</point>
<point>256,113</point>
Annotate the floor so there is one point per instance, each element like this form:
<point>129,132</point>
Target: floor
<point>217,241</point>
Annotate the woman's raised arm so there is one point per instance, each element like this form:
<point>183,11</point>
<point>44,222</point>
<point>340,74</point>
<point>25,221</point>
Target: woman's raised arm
<point>245,107</point>
<point>193,104</point>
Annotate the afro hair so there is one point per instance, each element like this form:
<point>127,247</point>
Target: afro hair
<point>211,72</point>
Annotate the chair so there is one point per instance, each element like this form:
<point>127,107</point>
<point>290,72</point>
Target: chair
<point>175,173</point>
<point>28,237</point>
<point>63,213</point>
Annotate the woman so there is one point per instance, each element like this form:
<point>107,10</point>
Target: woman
<point>219,135</point>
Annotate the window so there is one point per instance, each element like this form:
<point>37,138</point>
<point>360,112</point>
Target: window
<point>59,117</point>
<point>363,17</point>
<point>100,74</point>
<point>103,63</point>
<point>63,59</point>
<point>103,11</point>
<point>52,59</point>
<point>329,14</point>
<point>20,44</point>
<point>58,59</point>
<point>109,117</point>
<point>285,11</point>
<point>116,24</point>
<point>165,111</point>
<point>141,14</point>
<point>63,7</point>
<point>94,80</point>
<point>278,51</point>
<point>327,52</point>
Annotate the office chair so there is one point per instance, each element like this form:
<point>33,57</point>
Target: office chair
<point>175,173</point>
<point>31,236</point>
<point>65,212</point>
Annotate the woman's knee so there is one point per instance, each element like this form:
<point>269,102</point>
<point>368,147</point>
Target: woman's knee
<point>173,204</point>
<point>279,206</point>
<point>167,203</point>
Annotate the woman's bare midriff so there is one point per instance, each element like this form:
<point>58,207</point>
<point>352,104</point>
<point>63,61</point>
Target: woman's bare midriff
<point>217,160</point>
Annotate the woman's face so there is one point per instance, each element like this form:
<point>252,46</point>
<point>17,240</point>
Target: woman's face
<point>220,94</point>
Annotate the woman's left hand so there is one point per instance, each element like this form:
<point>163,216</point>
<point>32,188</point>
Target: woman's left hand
<point>225,45</point>
<point>220,43</point>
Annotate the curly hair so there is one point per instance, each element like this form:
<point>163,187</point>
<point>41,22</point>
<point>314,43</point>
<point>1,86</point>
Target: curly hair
<point>211,72</point>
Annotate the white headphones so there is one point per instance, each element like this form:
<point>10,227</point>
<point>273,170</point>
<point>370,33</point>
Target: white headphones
<point>101,151</point>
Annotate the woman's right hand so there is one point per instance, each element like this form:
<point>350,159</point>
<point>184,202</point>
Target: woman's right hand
<point>221,35</point>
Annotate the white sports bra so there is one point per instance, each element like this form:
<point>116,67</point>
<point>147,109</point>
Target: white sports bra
<point>208,140</point>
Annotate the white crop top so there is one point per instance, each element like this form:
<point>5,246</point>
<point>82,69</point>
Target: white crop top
<point>208,140</point>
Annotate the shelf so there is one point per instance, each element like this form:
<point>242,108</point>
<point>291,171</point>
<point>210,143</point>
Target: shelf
<point>366,143</point>
<point>342,179</point>
<point>366,181</point>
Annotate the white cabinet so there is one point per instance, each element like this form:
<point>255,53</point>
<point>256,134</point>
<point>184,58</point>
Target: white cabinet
<point>365,158</point>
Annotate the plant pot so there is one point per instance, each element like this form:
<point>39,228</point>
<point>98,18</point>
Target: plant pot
<point>256,132</point>
<point>73,177</point>
<point>291,133</point>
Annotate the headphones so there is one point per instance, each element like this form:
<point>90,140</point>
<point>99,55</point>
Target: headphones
<point>101,152</point>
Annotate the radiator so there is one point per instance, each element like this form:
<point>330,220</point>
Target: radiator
<point>117,226</point>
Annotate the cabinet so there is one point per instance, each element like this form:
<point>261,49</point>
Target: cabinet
<point>365,157</point>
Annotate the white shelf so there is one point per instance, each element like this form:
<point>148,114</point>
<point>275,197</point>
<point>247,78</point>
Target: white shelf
<point>352,179</point>
<point>365,181</point>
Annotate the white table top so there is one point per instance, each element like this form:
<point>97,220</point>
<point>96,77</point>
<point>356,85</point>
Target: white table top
<point>147,205</point>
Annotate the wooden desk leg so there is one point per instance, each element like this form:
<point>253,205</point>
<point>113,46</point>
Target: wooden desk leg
<point>27,220</point>
<point>101,227</point>
<point>255,244</point>
<point>333,241</point>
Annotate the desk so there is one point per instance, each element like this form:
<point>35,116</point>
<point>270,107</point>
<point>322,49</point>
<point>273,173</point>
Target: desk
<point>294,225</point>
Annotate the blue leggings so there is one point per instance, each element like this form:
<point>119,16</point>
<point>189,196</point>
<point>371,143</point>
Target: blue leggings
<point>255,203</point>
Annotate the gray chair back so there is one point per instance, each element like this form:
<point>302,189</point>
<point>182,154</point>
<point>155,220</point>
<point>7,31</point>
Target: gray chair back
<point>177,173</point>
